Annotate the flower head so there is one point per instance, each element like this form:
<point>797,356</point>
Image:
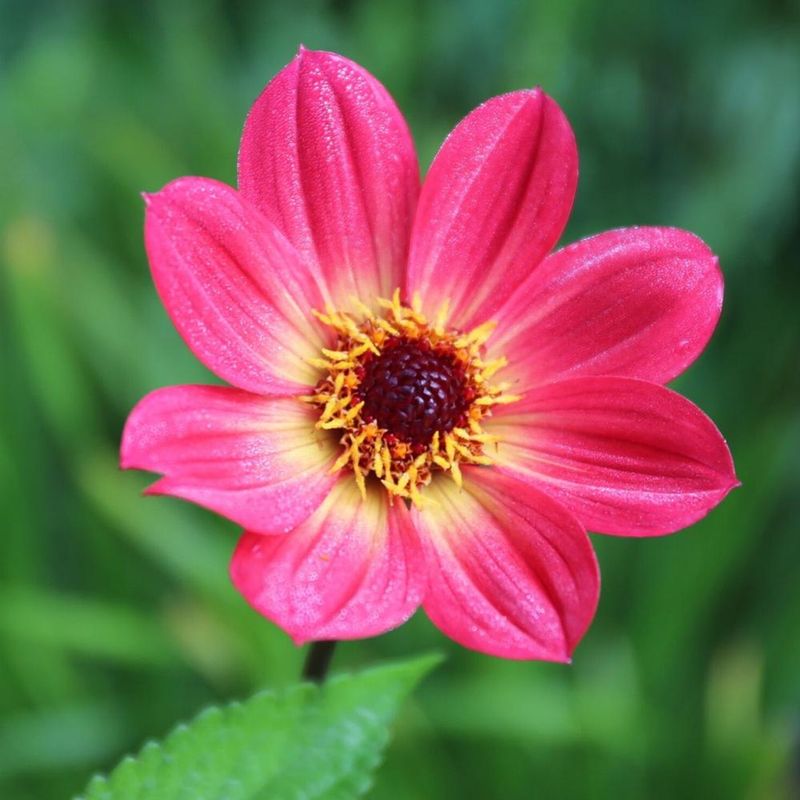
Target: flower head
<point>428,406</point>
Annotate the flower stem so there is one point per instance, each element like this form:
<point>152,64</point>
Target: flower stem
<point>318,660</point>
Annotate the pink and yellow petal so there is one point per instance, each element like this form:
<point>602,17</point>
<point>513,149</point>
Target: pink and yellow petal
<point>355,568</point>
<point>637,302</point>
<point>512,573</point>
<point>235,289</point>
<point>255,460</point>
<point>626,456</point>
<point>495,201</point>
<point>328,157</point>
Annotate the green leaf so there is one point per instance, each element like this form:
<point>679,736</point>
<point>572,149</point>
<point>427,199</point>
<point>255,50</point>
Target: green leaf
<point>305,742</point>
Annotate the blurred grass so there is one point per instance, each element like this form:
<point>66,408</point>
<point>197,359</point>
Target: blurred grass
<point>116,616</point>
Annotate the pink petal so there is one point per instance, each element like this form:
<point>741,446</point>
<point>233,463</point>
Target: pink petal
<point>255,460</point>
<point>512,573</point>
<point>625,456</point>
<point>353,569</point>
<point>328,157</point>
<point>233,286</point>
<point>639,302</point>
<point>494,203</point>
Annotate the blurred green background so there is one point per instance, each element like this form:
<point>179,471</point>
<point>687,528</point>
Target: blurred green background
<point>116,615</point>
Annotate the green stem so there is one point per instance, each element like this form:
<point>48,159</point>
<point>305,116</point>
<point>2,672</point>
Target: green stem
<point>318,661</point>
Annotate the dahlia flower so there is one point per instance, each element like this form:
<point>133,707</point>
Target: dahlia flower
<point>427,405</point>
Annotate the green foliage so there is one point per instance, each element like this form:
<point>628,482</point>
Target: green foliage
<point>307,741</point>
<point>116,613</point>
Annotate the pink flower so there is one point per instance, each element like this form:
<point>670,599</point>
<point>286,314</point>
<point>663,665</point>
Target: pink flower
<point>430,406</point>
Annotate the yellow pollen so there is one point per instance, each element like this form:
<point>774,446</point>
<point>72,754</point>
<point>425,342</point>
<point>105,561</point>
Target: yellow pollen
<point>404,467</point>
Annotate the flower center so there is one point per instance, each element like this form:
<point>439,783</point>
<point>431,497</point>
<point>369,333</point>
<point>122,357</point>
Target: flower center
<point>406,396</point>
<point>412,391</point>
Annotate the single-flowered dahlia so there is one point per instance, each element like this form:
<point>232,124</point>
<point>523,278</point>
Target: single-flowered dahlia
<point>427,405</point>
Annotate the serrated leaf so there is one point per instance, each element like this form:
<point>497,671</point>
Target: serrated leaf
<point>309,742</point>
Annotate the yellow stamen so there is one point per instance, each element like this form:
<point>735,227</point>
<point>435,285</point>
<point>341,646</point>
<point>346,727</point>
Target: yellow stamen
<point>455,471</point>
<point>386,458</point>
<point>477,335</point>
<point>335,355</point>
<point>327,412</point>
<point>343,459</point>
<point>321,363</point>
<point>401,468</point>
<point>332,424</point>
<point>449,447</point>
<point>500,400</point>
<point>388,327</point>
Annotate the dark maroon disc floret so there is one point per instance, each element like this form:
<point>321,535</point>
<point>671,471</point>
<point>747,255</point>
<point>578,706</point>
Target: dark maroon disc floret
<point>413,391</point>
